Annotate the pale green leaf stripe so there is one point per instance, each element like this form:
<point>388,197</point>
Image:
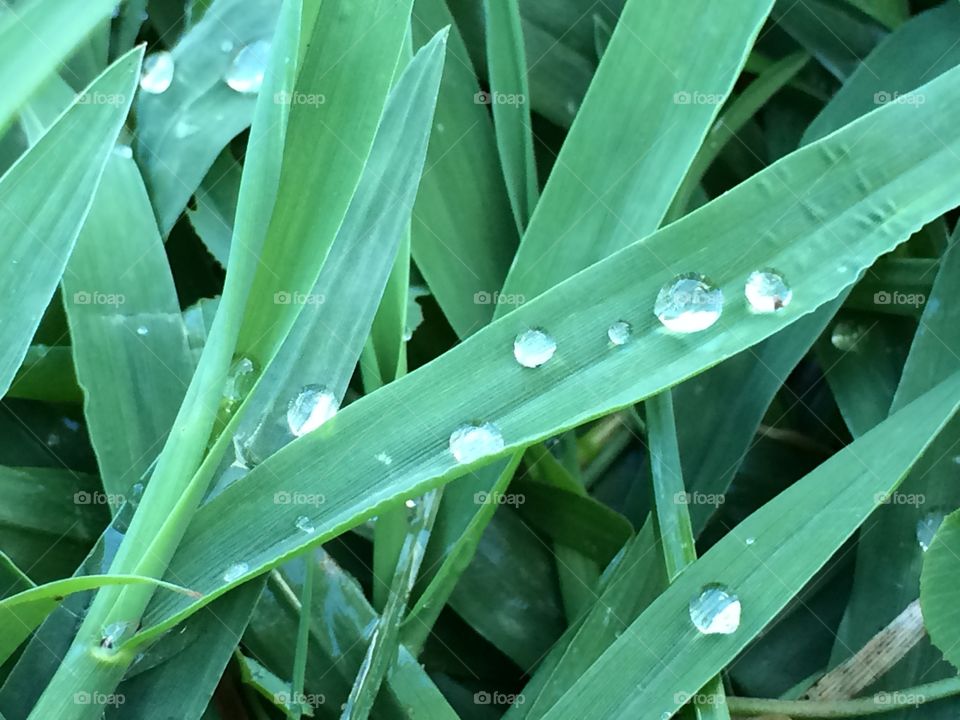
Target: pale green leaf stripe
<point>613,182</point>
<point>661,659</point>
<point>851,196</point>
<point>36,38</point>
<point>44,199</point>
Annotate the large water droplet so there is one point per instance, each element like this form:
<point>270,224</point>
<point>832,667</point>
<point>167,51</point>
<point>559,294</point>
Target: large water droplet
<point>927,527</point>
<point>846,335</point>
<point>619,332</point>
<point>235,571</point>
<point>472,442</point>
<point>715,611</point>
<point>533,348</point>
<point>311,409</point>
<point>688,303</point>
<point>245,74</point>
<point>767,291</point>
<point>157,74</point>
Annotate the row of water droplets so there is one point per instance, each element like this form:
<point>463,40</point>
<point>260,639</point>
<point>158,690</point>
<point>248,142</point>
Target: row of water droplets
<point>245,74</point>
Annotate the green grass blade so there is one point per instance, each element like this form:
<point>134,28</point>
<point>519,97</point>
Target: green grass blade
<point>793,536</point>
<point>594,185</point>
<point>38,36</point>
<point>45,198</point>
<point>509,97</point>
<point>830,213</point>
<point>181,131</point>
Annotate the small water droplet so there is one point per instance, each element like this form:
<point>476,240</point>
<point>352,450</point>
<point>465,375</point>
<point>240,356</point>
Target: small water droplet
<point>240,381</point>
<point>927,527</point>
<point>235,571</point>
<point>750,540</point>
<point>304,525</point>
<point>411,504</point>
<point>533,348</point>
<point>689,303</point>
<point>143,330</point>
<point>472,442</point>
<point>184,129</point>
<point>311,409</point>
<point>619,332</point>
<point>226,46</point>
<point>846,335</point>
<point>157,73</point>
<point>115,633</point>
<point>245,74</point>
<point>715,611</point>
<point>123,151</point>
<point>767,291</point>
<point>384,458</point>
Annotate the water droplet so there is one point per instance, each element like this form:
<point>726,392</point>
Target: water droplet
<point>240,381</point>
<point>846,335</point>
<point>767,291</point>
<point>750,540</point>
<point>123,151</point>
<point>715,611</point>
<point>619,332</point>
<point>927,527</point>
<point>143,330</point>
<point>115,633</point>
<point>311,409</point>
<point>688,303</point>
<point>245,74</point>
<point>184,129</point>
<point>235,572</point>
<point>411,504</point>
<point>157,73</point>
<point>384,458</point>
<point>472,442</point>
<point>226,46</point>
<point>533,348</point>
<point>304,525</point>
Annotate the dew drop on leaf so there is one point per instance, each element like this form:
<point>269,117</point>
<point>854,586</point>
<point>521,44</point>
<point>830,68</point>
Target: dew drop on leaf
<point>619,332</point>
<point>927,527</point>
<point>767,291</point>
<point>689,303</point>
<point>310,409</point>
<point>245,74</point>
<point>532,348</point>
<point>157,74</point>
<point>304,525</point>
<point>472,442</point>
<point>235,571</point>
<point>715,611</point>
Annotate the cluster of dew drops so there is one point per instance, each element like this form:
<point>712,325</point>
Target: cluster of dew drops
<point>245,74</point>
